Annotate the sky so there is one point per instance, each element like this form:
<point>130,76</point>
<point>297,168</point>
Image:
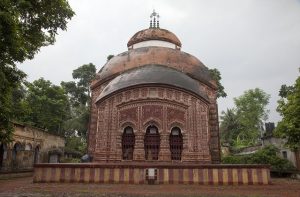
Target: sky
<point>253,43</point>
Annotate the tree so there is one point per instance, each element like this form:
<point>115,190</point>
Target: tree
<point>48,106</point>
<point>77,144</point>
<point>85,74</point>
<point>25,26</point>
<point>251,112</point>
<point>10,78</point>
<point>285,91</point>
<point>230,126</point>
<point>79,96</point>
<point>28,25</point>
<point>289,109</point>
<point>241,126</point>
<point>21,108</point>
<point>216,75</point>
<point>78,122</point>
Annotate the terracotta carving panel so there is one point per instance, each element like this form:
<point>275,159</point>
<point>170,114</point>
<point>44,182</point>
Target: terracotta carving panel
<point>164,106</point>
<point>174,114</point>
<point>152,111</point>
<point>129,115</point>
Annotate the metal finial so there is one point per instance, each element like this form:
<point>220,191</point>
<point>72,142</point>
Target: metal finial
<point>154,20</point>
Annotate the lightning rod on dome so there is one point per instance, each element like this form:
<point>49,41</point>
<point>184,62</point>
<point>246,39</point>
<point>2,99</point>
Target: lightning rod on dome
<point>154,20</point>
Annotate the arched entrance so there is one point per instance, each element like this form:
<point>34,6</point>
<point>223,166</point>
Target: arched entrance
<point>15,152</point>
<point>36,154</point>
<point>16,149</point>
<point>176,143</point>
<point>3,154</point>
<point>128,140</point>
<point>151,143</point>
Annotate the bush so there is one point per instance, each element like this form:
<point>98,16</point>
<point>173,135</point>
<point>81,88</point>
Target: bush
<point>70,160</point>
<point>267,155</point>
<point>233,159</point>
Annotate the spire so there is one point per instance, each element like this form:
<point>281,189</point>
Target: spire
<point>154,20</point>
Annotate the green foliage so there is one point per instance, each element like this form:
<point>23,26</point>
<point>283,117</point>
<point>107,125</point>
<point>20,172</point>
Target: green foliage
<point>79,92</point>
<point>251,112</point>
<point>10,78</point>
<point>62,110</point>
<point>21,108</point>
<point>48,106</point>
<point>234,159</point>
<point>78,144</point>
<point>267,155</point>
<point>289,109</point>
<point>241,126</point>
<point>230,127</point>
<point>85,74</point>
<point>78,122</point>
<point>70,160</point>
<point>109,57</point>
<point>25,26</point>
<point>252,105</point>
<point>216,75</point>
<point>79,96</point>
<point>285,91</point>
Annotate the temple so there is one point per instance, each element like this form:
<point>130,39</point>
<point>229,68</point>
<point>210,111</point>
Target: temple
<point>154,102</point>
<point>154,119</point>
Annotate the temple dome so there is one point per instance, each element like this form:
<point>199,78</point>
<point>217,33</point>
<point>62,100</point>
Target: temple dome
<point>154,34</point>
<point>153,89</point>
<point>152,75</point>
<point>172,58</point>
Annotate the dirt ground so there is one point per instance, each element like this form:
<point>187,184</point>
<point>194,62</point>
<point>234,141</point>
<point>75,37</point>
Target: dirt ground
<point>23,187</point>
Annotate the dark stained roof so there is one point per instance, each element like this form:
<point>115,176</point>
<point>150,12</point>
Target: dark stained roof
<point>154,34</point>
<point>151,75</point>
<point>172,58</point>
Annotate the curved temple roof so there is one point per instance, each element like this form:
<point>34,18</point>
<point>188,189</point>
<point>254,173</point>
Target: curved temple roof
<point>154,34</point>
<point>152,74</point>
<point>172,58</point>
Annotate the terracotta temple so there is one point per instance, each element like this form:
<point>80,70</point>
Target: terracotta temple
<point>154,102</point>
<point>154,120</point>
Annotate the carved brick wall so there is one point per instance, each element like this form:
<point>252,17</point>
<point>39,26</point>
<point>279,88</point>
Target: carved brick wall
<point>93,117</point>
<point>164,107</point>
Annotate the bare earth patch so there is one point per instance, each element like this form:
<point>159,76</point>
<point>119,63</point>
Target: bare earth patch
<point>23,187</point>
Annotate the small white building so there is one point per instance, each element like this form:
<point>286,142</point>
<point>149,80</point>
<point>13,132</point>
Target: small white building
<point>285,152</point>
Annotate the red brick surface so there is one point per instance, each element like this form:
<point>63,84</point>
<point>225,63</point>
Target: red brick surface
<point>165,108</point>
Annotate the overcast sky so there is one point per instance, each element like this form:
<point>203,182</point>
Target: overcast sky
<point>254,43</point>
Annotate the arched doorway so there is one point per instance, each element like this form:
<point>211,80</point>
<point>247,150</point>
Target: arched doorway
<point>36,154</point>
<point>128,140</point>
<point>3,154</point>
<point>15,152</point>
<point>16,149</point>
<point>151,143</point>
<point>176,143</point>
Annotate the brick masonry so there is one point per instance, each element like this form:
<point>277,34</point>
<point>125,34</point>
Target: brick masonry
<point>164,107</point>
<point>35,145</point>
<point>133,173</point>
<point>161,105</point>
